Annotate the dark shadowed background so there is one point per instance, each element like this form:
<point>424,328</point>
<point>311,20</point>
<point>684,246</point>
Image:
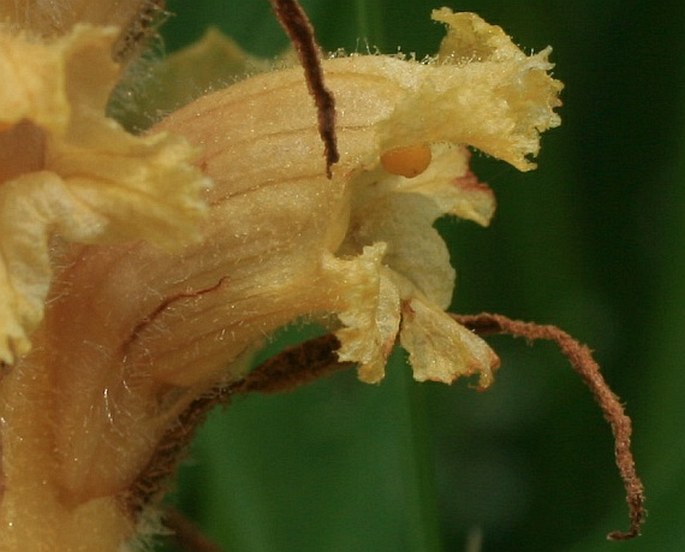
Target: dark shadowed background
<point>591,241</point>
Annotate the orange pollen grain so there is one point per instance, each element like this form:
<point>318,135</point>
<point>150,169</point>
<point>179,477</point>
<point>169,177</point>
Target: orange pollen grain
<point>409,161</point>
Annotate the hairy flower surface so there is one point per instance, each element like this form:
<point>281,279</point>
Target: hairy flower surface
<point>362,246</point>
<point>133,333</point>
<point>69,172</point>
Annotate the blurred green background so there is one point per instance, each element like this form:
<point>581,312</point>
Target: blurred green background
<point>591,241</point>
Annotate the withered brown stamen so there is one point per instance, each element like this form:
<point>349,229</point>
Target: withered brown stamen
<point>295,22</point>
<point>582,362</point>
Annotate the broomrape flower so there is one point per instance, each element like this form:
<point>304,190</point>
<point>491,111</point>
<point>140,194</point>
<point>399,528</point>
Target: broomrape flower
<point>67,172</point>
<point>133,283</point>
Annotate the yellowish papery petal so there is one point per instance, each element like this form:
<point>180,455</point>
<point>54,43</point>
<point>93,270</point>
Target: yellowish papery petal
<point>30,207</point>
<point>401,212</point>
<point>145,186</point>
<point>371,311</point>
<point>442,350</point>
<point>471,39</point>
<point>86,179</point>
<point>498,101</point>
<point>449,183</point>
<point>33,78</point>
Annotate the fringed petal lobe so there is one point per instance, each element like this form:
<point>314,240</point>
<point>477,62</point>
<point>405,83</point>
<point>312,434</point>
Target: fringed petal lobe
<point>70,172</point>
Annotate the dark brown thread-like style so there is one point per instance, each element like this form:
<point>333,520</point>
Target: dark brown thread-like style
<point>585,366</point>
<point>295,22</point>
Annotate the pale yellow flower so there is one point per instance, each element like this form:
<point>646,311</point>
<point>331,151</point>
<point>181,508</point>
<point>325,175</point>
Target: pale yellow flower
<point>67,172</point>
<point>363,243</point>
<point>133,333</point>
